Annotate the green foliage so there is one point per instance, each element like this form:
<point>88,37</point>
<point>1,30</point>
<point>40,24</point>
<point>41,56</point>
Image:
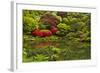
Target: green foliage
<point>29,24</point>
<point>59,18</point>
<point>62,26</point>
<point>63,29</point>
<point>46,39</point>
<point>56,50</point>
<point>40,57</point>
<point>30,20</point>
<point>44,26</point>
<point>66,21</point>
<point>72,41</point>
<point>78,26</point>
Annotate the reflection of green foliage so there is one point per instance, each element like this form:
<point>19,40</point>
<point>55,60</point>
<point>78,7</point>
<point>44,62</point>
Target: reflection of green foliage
<point>40,57</point>
<point>46,39</point>
<point>56,50</point>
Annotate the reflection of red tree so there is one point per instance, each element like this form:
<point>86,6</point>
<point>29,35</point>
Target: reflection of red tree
<point>44,44</point>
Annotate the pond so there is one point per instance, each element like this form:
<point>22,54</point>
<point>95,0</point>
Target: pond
<point>58,49</point>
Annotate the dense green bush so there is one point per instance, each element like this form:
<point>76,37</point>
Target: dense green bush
<point>63,29</point>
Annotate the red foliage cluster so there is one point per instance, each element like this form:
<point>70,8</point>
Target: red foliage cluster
<point>47,19</point>
<point>44,33</point>
<point>53,29</point>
